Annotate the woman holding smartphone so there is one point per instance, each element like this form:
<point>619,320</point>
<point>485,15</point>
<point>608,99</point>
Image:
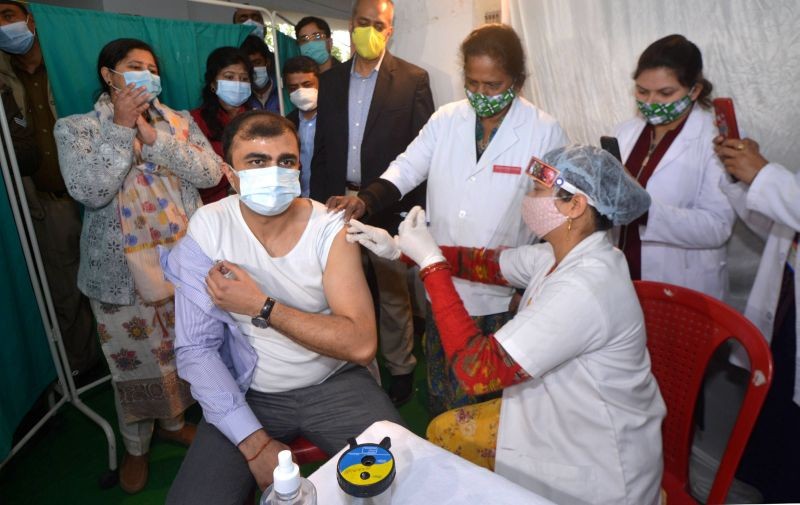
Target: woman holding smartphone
<point>668,148</point>
<point>765,196</point>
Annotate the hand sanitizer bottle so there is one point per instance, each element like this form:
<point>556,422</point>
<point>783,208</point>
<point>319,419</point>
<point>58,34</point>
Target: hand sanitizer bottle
<point>288,487</point>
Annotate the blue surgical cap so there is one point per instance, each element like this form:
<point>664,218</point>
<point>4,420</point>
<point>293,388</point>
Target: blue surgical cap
<point>602,177</point>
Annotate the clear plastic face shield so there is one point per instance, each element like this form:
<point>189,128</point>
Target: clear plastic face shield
<point>511,230</point>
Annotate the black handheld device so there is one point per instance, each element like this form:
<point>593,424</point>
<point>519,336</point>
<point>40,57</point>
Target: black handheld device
<point>611,145</point>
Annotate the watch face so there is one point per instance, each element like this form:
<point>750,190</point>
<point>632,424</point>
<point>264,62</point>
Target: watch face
<point>259,322</point>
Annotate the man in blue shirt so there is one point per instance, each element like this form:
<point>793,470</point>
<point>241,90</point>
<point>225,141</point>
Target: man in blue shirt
<point>301,78</point>
<point>265,89</point>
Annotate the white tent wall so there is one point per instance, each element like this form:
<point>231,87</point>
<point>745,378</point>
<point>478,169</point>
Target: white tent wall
<point>582,54</point>
<point>429,34</point>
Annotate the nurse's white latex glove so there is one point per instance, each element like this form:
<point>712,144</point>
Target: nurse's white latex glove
<point>416,241</point>
<point>375,239</point>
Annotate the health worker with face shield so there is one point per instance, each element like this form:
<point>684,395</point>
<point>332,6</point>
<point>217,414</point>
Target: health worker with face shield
<point>227,88</point>
<point>580,417</point>
<point>473,154</point>
<point>669,149</point>
<point>136,166</point>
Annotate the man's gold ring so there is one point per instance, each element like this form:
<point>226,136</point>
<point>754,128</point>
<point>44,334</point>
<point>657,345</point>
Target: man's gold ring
<point>740,147</point>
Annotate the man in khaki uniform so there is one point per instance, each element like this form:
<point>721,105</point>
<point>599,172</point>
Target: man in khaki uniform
<point>55,215</point>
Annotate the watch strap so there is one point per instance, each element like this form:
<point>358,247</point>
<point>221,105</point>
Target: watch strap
<point>266,310</point>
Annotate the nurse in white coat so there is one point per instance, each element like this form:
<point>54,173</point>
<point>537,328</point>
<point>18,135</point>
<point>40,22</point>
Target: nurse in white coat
<point>669,149</point>
<point>473,155</point>
<point>767,198</point>
<point>580,417</point>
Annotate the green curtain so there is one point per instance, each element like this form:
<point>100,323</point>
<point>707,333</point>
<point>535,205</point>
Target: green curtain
<point>71,40</point>
<point>26,367</point>
<point>287,48</point>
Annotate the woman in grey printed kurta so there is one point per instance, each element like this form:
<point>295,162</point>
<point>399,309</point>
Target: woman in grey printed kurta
<point>135,165</point>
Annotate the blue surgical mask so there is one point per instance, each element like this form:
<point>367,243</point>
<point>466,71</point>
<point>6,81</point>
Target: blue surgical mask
<point>317,50</point>
<point>15,38</point>
<point>260,77</point>
<point>233,92</point>
<point>269,191</point>
<point>139,78</point>
<point>258,28</point>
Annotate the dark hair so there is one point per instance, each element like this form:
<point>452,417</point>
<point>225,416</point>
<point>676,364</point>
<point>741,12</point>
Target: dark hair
<point>321,24</point>
<point>255,124</point>
<point>601,222</point>
<point>501,43</point>
<point>219,58</point>
<point>682,57</point>
<point>300,65</point>
<point>253,45</point>
<point>18,4</point>
<point>115,51</point>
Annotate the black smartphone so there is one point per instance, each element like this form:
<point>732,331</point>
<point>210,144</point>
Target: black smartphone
<point>611,145</point>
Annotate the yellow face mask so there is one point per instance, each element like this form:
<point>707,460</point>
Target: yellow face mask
<point>369,42</point>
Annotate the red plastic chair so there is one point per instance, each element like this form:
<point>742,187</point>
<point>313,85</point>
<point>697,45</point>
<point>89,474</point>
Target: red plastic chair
<point>306,452</point>
<point>684,329</point>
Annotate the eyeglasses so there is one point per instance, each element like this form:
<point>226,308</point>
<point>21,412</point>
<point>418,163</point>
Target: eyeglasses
<point>550,176</point>
<point>311,36</point>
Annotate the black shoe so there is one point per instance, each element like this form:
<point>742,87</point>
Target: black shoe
<point>402,388</point>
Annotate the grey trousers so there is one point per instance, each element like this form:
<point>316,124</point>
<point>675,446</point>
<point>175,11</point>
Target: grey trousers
<point>215,472</point>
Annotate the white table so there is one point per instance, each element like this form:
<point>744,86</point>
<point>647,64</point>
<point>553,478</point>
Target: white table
<point>427,474</point>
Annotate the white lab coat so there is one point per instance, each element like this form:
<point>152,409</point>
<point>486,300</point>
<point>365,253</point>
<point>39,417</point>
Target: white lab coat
<point>476,203</point>
<point>771,208</point>
<point>587,428</point>
<point>690,220</point>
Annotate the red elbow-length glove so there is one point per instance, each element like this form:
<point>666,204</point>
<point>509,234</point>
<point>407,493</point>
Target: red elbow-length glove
<point>479,361</point>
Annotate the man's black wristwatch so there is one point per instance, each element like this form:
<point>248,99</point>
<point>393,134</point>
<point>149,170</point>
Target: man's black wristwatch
<point>262,319</point>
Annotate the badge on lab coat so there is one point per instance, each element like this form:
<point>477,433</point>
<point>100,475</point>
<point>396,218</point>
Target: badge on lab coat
<point>507,169</point>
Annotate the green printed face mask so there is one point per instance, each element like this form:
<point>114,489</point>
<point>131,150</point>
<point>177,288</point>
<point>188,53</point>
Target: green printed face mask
<point>664,113</point>
<point>486,106</point>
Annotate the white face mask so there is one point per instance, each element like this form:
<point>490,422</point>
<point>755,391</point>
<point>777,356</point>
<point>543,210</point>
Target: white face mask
<point>258,28</point>
<point>304,99</point>
<point>233,92</point>
<point>269,191</point>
